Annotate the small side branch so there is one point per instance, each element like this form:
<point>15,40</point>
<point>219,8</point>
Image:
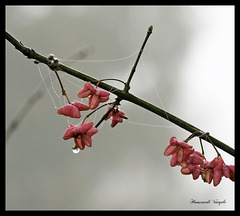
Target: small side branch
<point>149,32</point>
<point>117,101</point>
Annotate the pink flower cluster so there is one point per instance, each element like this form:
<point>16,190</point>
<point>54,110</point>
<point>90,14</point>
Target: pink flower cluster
<point>96,96</point>
<point>117,116</point>
<point>193,162</point>
<point>83,133</point>
<point>73,110</point>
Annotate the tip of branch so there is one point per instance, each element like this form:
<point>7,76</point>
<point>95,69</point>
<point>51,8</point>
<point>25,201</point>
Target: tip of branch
<point>150,29</point>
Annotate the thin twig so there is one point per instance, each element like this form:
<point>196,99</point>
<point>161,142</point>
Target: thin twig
<point>118,80</point>
<point>149,32</point>
<point>214,146</point>
<point>64,93</point>
<point>88,115</point>
<point>117,100</point>
<point>200,140</point>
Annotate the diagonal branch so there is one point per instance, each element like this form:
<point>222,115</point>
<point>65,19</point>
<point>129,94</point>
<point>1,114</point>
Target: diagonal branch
<point>123,95</point>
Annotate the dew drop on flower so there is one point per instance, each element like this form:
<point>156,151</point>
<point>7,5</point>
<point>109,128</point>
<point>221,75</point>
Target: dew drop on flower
<point>75,149</point>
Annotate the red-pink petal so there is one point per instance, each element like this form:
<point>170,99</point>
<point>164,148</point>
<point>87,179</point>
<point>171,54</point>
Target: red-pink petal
<point>217,176</point>
<point>93,101</point>
<point>184,164</point>
<point>79,143</point>
<point>170,150</point>
<point>83,128</point>
<point>103,99</point>
<point>117,115</point>
<point>196,172</point>
<point>191,167</point>
<point>180,155</point>
<point>89,86</point>
<point>196,159</point>
<point>186,171</point>
<point>117,118</point>
<point>86,141</point>
<point>213,162</point>
<point>205,164</point>
<point>114,123</point>
<point>209,176</point>
<point>69,133</point>
<point>87,90</point>
<point>89,140</point>
<point>69,110</point>
<point>83,94</point>
<point>80,106</point>
<point>102,93</point>
<point>92,131</point>
<point>173,161</point>
<point>219,164</point>
<point>186,153</point>
<point>173,141</point>
<point>199,154</point>
<point>122,114</point>
<point>226,171</point>
<point>232,172</point>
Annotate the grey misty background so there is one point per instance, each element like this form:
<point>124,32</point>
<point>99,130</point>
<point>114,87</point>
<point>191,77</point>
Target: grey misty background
<point>188,61</point>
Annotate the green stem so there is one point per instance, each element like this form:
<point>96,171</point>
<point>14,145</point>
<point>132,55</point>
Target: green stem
<point>122,95</point>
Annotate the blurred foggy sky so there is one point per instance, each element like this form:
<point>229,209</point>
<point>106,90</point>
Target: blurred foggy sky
<point>188,61</point>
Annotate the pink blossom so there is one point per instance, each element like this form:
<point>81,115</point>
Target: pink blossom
<point>69,133</point>
<point>117,116</point>
<point>226,171</point>
<point>193,162</point>
<point>195,170</point>
<point>185,156</point>
<point>195,158</point>
<point>96,95</point>
<point>82,134</point>
<point>181,149</point>
<point>72,110</point>
<point>174,162</point>
<point>69,110</point>
<point>190,162</point>
<point>217,163</point>
<point>215,170</point>
<point>87,90</point>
